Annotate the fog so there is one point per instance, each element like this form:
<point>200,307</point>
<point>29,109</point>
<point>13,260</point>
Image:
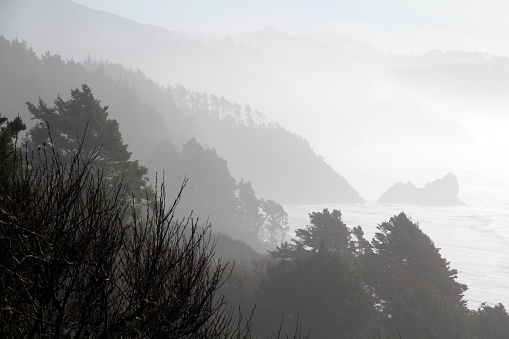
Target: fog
<point>384,92</point>
<point>380,99</point>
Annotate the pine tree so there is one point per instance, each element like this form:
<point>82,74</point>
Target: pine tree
<point>315,279</point>
<point>416,286</point>
<point>83,118</point>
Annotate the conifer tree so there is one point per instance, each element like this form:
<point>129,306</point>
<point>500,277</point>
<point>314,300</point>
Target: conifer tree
<point>416,286</point>
<point>83,118</point>
<point>8,134</point>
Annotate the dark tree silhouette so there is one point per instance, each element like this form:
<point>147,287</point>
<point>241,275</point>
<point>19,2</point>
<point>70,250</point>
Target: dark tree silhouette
<point>417,287</point>
<point>78,261</point>
<point>313,277</point>
<point>70,119</point>
<point>326,231</point>
<point>275,225</point>
<point>489,322</point>
<point>9,131</point>
<point>249,206</point>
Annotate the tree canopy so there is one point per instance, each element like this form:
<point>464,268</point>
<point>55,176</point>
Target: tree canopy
<point>417,287</point>
<point>489,322</point>
<point>9,131</point>
<point>232,207</point>
<point>326,231</point>
<point>72,265</point>
<point>314,277</point>
<point>82,118</point>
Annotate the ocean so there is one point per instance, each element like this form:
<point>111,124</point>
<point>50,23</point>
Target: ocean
<point>473,238</point>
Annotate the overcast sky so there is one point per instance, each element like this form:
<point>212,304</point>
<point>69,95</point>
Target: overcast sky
<point>410,26</point>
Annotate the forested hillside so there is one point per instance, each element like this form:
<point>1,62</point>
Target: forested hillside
<point>273,159</point>
<point>32,77</point>
<point>277,162</point>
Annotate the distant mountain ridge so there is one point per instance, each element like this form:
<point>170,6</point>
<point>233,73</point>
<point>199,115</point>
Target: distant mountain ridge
<point>319,45</point>
<point>349,45</point>
<point>333,74</point>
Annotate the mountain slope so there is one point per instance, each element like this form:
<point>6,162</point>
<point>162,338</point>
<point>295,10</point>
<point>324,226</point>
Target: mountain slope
<point>282,166</point>
<point>315,76</point>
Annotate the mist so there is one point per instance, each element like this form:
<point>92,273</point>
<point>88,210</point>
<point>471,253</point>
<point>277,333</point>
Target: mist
<point>319,106</point>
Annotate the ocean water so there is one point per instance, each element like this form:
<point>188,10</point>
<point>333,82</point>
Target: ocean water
<point>473,238</point>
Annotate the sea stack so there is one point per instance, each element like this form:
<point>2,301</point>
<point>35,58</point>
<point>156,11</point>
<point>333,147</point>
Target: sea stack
<point>441,192</point>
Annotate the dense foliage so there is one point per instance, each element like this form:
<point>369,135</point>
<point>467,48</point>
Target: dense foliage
<point>489,322</point>
<point>346,287</point>
<point>313,276</point>
<point>415,284</point>
<point>78,261</point>
<point>82,123</point>
<point>231,206</point>
<point>9,131</point>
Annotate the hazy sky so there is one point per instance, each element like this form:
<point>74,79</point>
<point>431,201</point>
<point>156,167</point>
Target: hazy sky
<point>410,26</point>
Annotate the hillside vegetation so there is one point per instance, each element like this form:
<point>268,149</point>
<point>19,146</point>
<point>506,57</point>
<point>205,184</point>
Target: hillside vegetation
<point>276,161</point>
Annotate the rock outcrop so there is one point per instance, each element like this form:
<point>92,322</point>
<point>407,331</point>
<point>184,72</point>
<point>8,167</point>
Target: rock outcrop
<point>441,192</point>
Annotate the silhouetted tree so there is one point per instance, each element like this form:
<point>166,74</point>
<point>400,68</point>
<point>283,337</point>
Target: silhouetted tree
<point>249,207</point>
<point>70,119</point>
<point>232,207</point>
<point>211,189</point>
<point>74,265</point>
<point>324,290</point>
<point>9,131</point>
<point>325,231</point>
<point>416,286</point>
<point>361,246</point>
<point>489,322</point>
<point>276,222</point>
<point>314,278</point>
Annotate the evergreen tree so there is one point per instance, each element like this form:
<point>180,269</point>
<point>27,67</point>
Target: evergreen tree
<point>361,246</point>
<point>314,278</point>
<point>276,222</point>
<point>83,118</point>
<point>212,192</point>
<point>211,189</point>
<point>324,291</point>
<point>416,286</point>
<point>8,135</point>
<point>325,231</point>
<point>249,208</point>
<point>489,322</point>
